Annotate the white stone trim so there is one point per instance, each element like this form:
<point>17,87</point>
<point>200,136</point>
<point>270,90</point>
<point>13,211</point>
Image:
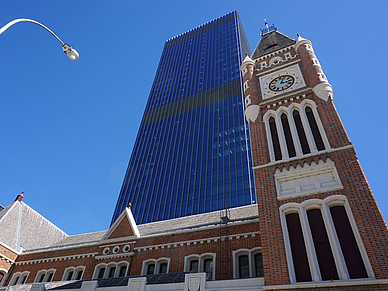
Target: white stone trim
<point>340,283</point>
<point>89,286</point>
<point>260,73</point>
<point>252,112</point>
<point>17,277</point>
<point>46,275</point>
<point>54,259</point>
<point>137,284</point>
<point>197,241</point>
<point>115,244</point>
<point>75,270</point>
<point>201,259</point>
<point>157,263</point>
<point>307,179</point>
<point>195,282</point>
<point>250,254</point>
<point>293,70</point>
<point>4,258</point>
<point>339,259</point>
<point>121,255</point>
<point>286,49</point>
<point>107,267</point>
<point>306,127</point>
<point>305,156</point>
<point>324,91</point>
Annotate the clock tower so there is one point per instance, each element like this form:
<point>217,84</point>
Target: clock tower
<point>319,221</point>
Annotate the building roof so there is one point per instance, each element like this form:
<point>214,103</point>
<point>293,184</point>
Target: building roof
<point>271,42</point>
<point>75,240</point>
<point>22,228</point>
<point>172,225</point>
<point>199,220</point>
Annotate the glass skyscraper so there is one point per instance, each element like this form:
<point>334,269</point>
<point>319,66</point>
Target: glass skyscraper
<point>192,153</point>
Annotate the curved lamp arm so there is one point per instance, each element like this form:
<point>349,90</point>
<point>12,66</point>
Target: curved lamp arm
<point>67,49</point>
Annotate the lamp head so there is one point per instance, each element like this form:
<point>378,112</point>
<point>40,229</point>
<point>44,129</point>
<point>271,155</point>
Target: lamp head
<point>70,52</point>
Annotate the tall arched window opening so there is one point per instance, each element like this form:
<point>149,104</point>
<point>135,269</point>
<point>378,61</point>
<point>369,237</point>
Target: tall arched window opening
<point>314,129</point>
<point>301,133</point>
<point>288,136</point>
<point>298,248</point>
<point>350,250</point>
<point>322,245</point>
<point>275,139</point>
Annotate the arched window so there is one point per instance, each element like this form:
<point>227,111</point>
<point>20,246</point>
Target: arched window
<point>17,278</point>
<point>301,133</point>
<point>248,263</point>
<point>45,276</point>
<point>110,270</point>
<point>314,129</point>
<point>348,243</point>
<point>322,245</point>
<point>275,139</point>
<point>152,266</point>
<point>73,273</point>
<point>288,136</point>
<point>333,248</point>
<point>243,266</point>
<point>298,248</point>
<point>204,263</point>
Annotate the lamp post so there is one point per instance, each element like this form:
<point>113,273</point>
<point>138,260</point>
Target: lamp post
<point>67,49</point>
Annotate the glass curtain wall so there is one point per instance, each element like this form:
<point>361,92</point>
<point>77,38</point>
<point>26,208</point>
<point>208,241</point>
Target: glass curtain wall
<point>192,153</point>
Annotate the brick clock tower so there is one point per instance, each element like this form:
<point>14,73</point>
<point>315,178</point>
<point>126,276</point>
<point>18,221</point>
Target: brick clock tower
<point>319,221</point>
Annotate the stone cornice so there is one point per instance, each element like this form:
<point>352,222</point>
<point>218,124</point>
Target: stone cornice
<point>114,256</point>
<point>54,259</point>
<point>197,241</point>
<point>304,157</point>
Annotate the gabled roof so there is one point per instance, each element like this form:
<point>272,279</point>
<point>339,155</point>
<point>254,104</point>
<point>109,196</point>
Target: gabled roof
<point>124,225</point>
<point>22,228</point>
<point>271,42</point>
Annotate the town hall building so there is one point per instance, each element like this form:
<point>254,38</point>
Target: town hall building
<point>315,224</point>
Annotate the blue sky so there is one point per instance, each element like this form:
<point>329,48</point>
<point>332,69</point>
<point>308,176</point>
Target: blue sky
<point>68,128</point>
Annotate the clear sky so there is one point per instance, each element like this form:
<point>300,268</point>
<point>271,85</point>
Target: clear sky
<point>68,128</point>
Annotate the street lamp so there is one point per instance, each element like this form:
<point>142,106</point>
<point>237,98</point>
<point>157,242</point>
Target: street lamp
<point>67,49</point>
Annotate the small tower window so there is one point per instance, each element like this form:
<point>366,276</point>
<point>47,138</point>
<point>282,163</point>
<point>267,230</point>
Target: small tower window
<point>288,136</point>
<point>301,133</point>
<point>314,129</point>
<point>275,139</point>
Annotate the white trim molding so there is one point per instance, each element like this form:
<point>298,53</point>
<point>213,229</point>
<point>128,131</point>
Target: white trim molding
<point>157,264</point>
<point>18,278</point>
<point>250,253</point>
<point>307,179</point>
<point>48,275</point>
<point>306,127</point>
<point>108,269</point>
<point>75,272</point>
<point>201,263</point>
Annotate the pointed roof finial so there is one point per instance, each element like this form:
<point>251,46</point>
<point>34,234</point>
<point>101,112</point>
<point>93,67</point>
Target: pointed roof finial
<point>20,197</point>
<point>267,28</point>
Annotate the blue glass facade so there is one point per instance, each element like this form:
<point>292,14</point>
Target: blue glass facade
<point>192,152</point>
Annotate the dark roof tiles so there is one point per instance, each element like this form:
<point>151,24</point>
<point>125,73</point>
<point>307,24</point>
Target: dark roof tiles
<point>271,42</point>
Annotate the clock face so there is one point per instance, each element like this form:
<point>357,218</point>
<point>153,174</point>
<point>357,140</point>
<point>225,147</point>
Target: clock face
<point>281,83</point>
